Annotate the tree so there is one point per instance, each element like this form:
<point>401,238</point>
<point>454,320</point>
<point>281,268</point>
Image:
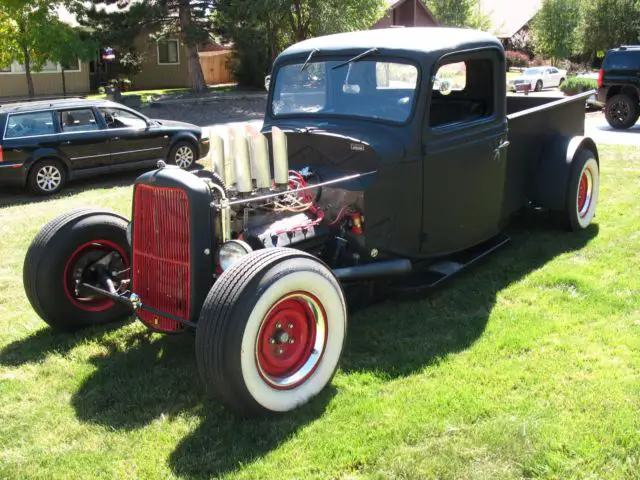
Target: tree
<point>460,13</point>
<point>31,34</point>
<point>189,20</point>
<point>606,24</point>
<point>262,28</point>
<point>554,28</point>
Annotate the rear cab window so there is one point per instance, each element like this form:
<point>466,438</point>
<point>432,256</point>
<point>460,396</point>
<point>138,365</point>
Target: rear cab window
<point>31,124</point>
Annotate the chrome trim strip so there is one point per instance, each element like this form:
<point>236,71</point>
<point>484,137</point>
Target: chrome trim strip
<point>13,165</point>
<point>117,153</point>
<point>136,151</point>
<point>90,156</point>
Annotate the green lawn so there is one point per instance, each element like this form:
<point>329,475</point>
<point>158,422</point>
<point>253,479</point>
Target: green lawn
<point>528,365</point>
<point>148,95</point>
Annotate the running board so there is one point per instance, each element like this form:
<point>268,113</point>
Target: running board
<point>436,273</point>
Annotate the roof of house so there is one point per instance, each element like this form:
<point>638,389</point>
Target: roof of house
<point>391,4</point>
<point>507,17</point>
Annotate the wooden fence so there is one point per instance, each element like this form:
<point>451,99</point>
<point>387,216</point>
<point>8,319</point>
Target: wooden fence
<point>214,67</point>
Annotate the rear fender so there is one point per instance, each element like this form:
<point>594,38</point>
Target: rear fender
<point>552,174</point>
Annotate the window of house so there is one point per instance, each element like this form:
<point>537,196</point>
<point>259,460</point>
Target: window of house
<point>73,66</point>
<point>168,52</point>
<point>117,118</point>
<point>462,92</point>
<point>49,66</point>
<point>80,120</point>
<point>29,124</point>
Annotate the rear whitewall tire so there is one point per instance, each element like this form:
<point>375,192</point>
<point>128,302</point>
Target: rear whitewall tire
<point>585,215</point>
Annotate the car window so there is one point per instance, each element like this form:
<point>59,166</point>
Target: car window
<point>29,125</point>
<point>463,92</point>
<point>625,60</point>
<point>118,118</point>
<point>78,120</point>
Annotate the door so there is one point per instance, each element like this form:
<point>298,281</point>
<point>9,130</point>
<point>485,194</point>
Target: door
<point>133,138</point>
<point>81,140</point>
<point>554,77</point>
<point>464,164</point>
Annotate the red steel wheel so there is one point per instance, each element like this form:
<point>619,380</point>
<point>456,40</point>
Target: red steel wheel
<point>82,246</point>
<point>271,331</point>
<point>292,340</point>
<point>78,269</point>
<point>582,192</point>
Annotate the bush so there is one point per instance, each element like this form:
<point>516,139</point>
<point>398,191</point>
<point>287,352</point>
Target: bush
<point>574,85</point>
<point>517,59</point>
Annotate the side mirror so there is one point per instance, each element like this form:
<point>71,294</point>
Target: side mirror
<point>445,87</point>
<point>351,89</point>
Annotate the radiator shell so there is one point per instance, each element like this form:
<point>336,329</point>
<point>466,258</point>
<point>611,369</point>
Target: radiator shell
<point>173,244</point>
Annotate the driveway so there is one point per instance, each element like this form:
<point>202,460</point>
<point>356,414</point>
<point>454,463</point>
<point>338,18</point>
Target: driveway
<point>596,127</point>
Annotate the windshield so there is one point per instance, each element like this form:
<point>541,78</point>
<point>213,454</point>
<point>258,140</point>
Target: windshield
<point>533,71</point>
<point>365,88</point>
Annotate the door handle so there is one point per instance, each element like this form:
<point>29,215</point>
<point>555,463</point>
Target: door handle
<point>116,138</point>
<point>67,142</point>
<point>499,148</point>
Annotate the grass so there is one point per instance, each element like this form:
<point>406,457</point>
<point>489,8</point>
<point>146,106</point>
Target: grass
<point>149,95</point>
<point>528,365</point>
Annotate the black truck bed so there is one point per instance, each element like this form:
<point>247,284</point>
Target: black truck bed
<point>537,125</point>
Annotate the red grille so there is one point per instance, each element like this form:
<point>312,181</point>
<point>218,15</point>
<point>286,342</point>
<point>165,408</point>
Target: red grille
<point>161,254</point>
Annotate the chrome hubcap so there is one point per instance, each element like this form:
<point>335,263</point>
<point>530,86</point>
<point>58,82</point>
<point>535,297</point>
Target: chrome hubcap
<point>184,157</point>
<point>49,178</point>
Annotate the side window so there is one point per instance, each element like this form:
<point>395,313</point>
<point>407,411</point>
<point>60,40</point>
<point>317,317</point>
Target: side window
<point>462,92</point>
<point>80,120</point>
<point>117,118</point>
<point>29,125</point>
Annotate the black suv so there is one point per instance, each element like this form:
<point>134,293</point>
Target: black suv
<point>46,143</point>
<point>619,86</point>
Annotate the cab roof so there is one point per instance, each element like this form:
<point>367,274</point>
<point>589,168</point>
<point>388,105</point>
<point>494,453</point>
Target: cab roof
<point>412,41</point>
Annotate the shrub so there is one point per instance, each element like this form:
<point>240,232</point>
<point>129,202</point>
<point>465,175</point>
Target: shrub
<point>517,59</point>
<point>574,85</point>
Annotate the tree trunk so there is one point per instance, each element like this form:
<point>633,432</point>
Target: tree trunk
<point>196,77</point>
<point>64,83</point>
<point>27,72</point>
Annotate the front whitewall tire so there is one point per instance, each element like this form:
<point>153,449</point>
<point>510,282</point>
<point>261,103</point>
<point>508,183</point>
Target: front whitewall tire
<point>284,400</point>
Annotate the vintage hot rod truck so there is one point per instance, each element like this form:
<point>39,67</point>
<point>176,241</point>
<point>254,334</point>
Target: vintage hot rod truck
<point>391,157</point>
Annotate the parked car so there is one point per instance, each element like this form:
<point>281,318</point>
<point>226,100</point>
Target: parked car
<point>619,86</point>
<point>44,144</point>
<point>370,185</point>
<point>538,78</point>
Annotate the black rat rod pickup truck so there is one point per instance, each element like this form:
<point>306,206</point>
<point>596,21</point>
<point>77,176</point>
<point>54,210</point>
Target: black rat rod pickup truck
<point>390,157</point>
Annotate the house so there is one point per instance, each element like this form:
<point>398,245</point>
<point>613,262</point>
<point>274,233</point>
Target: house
<point>407,13</point>
<point>511,24</point>
<point>13,82</point>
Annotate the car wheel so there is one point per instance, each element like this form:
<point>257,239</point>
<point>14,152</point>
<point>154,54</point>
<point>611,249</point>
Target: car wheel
<point>271,332</point>
<point>47,177</point>
<point>77,247</point>
<point>183,154</point>
<point>538,86</point>
<point>621,112</point>
<point>582,191</point>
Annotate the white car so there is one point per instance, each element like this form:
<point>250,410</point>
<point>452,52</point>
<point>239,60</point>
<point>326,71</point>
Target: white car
<point>537,78</point>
